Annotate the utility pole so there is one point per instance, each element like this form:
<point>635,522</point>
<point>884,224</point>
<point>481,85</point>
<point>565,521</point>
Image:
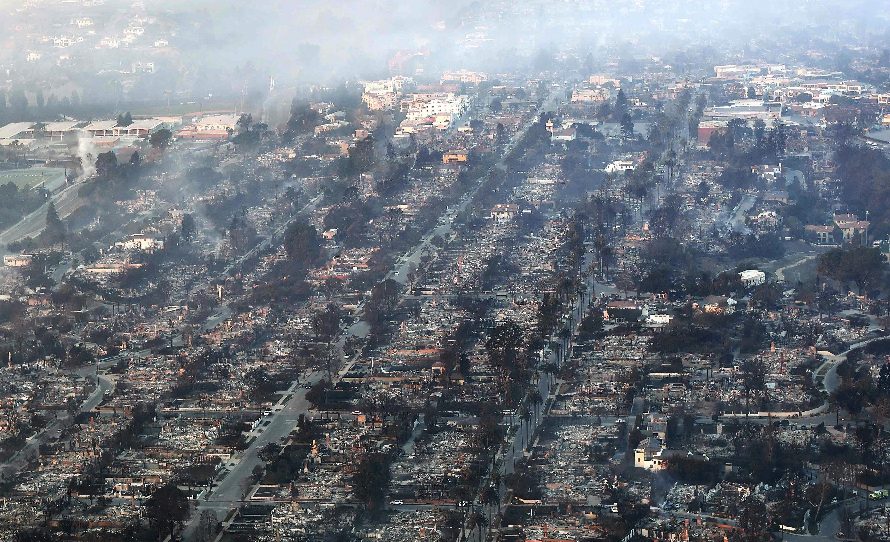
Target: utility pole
<point>866,228</point>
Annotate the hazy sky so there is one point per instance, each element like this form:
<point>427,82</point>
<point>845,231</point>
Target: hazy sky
<point>225,47</point>
<point>318,38</point>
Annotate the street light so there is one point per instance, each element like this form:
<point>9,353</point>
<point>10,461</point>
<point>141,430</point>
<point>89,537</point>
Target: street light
<point>866,227</point>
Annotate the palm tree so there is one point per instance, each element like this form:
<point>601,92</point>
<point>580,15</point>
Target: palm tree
<point>497,481</point>
<point>671,162</point>
<point>638,187</point>
<point>565,334</point>
<point>582,293</point>
<point>550,369</point>
<point>490,497</point>
<point>536,400</point>
<point>525,415</point>
<point>753,379</point>
<point>478,523</point>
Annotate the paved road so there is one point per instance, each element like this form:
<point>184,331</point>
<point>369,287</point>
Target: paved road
<point>281,422</point>
<point>832,381</point>
<point>310,207</point>
<point>232,488</point>
<point>780,272</point>
<point>830,525</point>
<point>737,219</point>
<point>446,225</point>
<point>66,202</point>
<point>54,429</point>
<point>514,446</point>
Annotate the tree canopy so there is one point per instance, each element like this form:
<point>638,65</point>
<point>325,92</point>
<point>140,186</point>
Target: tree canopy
<point>302,243</point>
<point>167,508</point>
<point>862,266</point>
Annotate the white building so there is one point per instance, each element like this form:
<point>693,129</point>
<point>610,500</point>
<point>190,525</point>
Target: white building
<point>504,212</point>
<point>217,123</point>
<point>17,260</point>
<point>649,455</point>
<point>142,67</point>
<point>140,242</point>
<point>658,320</point>
<point>752,277</point>
<point>385,94</point>
<point>464,76</point>
<point>620,166</point>
<point>422,106</point>
<point>590,96</point>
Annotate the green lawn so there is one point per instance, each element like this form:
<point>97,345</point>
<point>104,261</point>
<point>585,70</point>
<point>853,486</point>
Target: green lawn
<point>29,178</point>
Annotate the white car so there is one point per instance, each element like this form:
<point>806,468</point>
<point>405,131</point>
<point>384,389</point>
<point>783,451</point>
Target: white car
<point>396,503</point>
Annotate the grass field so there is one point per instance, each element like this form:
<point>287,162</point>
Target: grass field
<point>184,108</point>
<point>26,179</point>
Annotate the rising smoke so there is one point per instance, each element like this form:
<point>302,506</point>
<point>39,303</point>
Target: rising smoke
<point>86,152</point>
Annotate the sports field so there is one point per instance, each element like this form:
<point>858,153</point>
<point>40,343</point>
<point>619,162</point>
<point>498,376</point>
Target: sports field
<point>48,178</point>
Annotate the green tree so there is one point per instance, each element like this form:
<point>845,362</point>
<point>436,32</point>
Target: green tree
<point>754,521</point>
<point>302,243</point>
<point>370,481</point>
<point>621,104</point>
<point>188,228</point>
<point>360,158</point>
<point>161,138</point>
<point>852,396</point>
<point>55,228</point>
<point>548,314</point>
<point>18,105</point>
<point>861,265</point>
<point>302,121</point>
<point>500,136</point>
<point>326,326</point>
<point>124,119</point>
<point>639,187</point>
<point>627,126</point>
<point>106,165</point>
<point>385,295</point>
<point>753,379</point>
<point>167,509</point>
<point>766,296</point>
<point>503,344</point>
<point>883,387</point>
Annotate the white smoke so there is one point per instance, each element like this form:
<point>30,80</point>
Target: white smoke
<point>87,152</point>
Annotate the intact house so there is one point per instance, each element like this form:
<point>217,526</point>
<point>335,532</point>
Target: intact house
<point>752,277</point>
<point>649,455</point>
<point>707,129</point>
<point>138,128</point>
<point>821,235</point>
<point>564,135</point>
<point>455,157</point>
<point>17,260</point>
<point>851,227</point>
<point>620,166</point>
<point>504,212</point>
<point>140,242</point>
